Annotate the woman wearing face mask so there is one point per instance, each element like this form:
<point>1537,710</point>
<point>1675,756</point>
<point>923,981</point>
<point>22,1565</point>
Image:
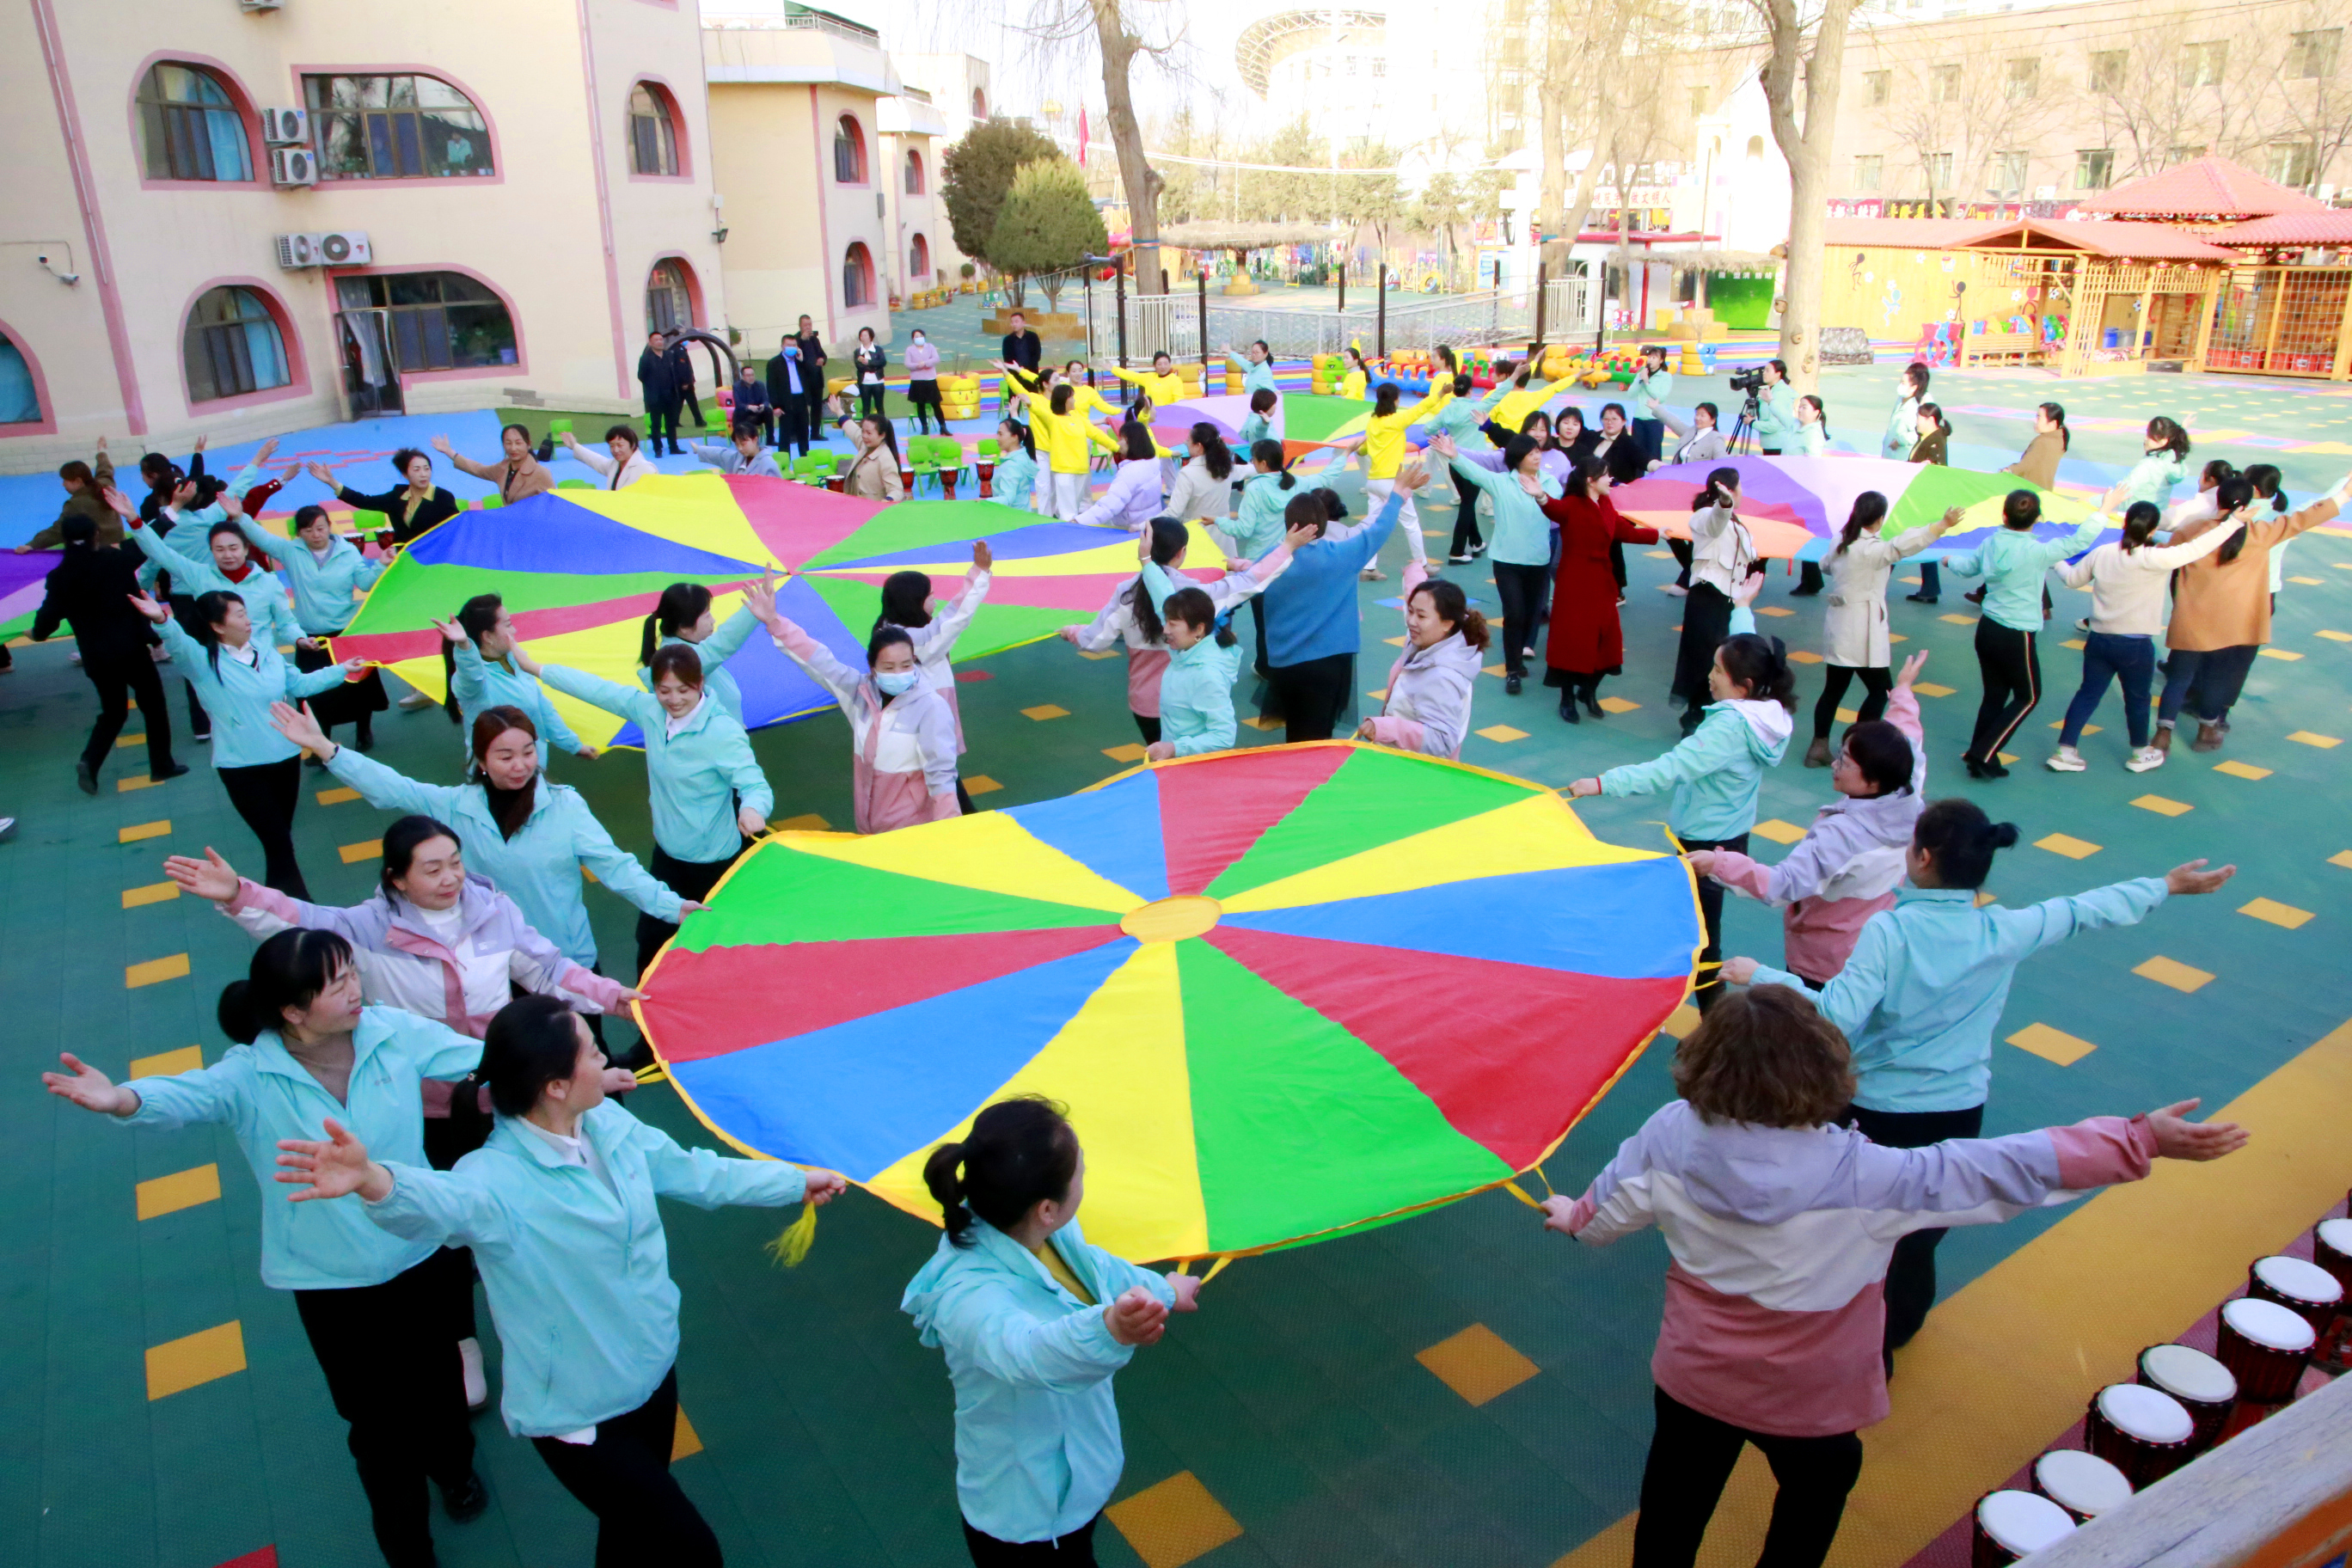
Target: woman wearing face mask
<point>412,508</point>
<point>376,1309</point>
<point>559,1208</point>
<point>518,475</point>
<point>529,834</point>
<point>906,605</point>
<point>240,676</point>
<point>478,656</point>
<point>902,733</point>
<point>923,382</point>
<point>1427,708</point>
<point>329,576</point>
<point>684,615</point>
<point>708,794</point>
<point>621,462</point>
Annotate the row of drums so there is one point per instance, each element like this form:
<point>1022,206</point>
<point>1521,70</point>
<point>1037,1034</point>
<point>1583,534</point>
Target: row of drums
<point>2182,1401</point>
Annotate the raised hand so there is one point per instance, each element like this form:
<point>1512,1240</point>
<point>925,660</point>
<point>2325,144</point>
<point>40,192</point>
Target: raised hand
<point>759,597</point>
<point>146,605</point>
<point>982,556</point>
<point>120,504</point>
<point>298,726</point>
<point>1746,590</point>
<point>1136,1317</point>
<point>232,506</point>
<point>268,450</point>
<point>1951,519</point>
<point>323,474</point>
<point>1300,535</point>
<point>2177,1138</point>
<point>1911,667</point>
<point>89,1088</point>
<point>331,1167</point>
<point>2192,877</point>
<point>210,878</point>
<point>451,631</point>
<point>441,444</point>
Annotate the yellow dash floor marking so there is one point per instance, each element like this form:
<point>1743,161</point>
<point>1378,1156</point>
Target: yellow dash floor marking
<point>367,849</point>
<point>1173,1522</point>
<point>152,893</point>
<point>180,1190</point>
<point>143,830</point>
<point>155,970</point>
<point>199,1358</point>
<point>1477,1363</point>
<point>1502,732</point>
<point>2278,914</point>
<point>162,1064</point>
<point>2051,1044</point>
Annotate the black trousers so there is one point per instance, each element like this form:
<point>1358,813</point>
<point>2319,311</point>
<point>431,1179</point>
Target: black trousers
<point>2011,667</point>
<point>1522,590</point>
<point>1314,694</point>
<point>1876,684</point>
<point>789,420</point>
<point>1680,551</point>
<point>693,405</point>
<point>813,405</point>
<point>1808,580</point>
<point>116,684</point>
<point>661,424</point>
<point>870,401</point>
<point>923,397</point>
<point>1076,1550</point>
<point>1148,728</point>
<point>1709,986</point>
<point>393,1371</point>
<point>264,795</point>
<point>642,1517</point>
<point>1465,517</point>
<point>687,879</point>
<point>353,702</point>
<point>1911,1275</point>
<point>1706,622</point>
<point>1691,1458</point>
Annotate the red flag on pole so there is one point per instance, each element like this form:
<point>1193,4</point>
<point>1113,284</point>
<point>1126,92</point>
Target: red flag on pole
<point>1082,137</point>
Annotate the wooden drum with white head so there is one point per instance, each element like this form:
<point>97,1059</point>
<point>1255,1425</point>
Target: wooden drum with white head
<point>2306,1289</point>
<point>2265,1347</point>
<point>2203,1385</point>
<point>2143,1432</point>
<point>2013,1525</point>
<point>2083,1484</point>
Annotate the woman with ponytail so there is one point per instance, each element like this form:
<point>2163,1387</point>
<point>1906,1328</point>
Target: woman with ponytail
<point>1133,499</point>
<point>1717,771</point>
<point>1586,644</point>
<point>683,616</point>
<point>1383,446</point>
<point>2126,578</point>
<point>1427,708</point>
<point>1204,485</point>
<point>2038,463</point>
<point>1257,525</point>
<point>1858,644</point>
<point>1035,1320</point>
<point>1519,491</point>
<point>379,1311</point>
<point>2268,481</point>
<point>1723,556</point>
<point>932,631</point>
<point>1931,444</point>
<point>2163,463</point>
<point>559,1208</point>
<point>1196,689</point>
<point>1921,999</point>
<point>480,655</point>
<point>1014,480</point>
<point>2222,609</point>
<point>2007,638</point>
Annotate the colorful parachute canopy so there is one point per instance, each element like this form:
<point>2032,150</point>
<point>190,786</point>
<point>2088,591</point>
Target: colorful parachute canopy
<point>1303,422</point>
<point>1283,992</point>
<point>580,570</point>
<point>22,588</point>
<point>1796,506</point>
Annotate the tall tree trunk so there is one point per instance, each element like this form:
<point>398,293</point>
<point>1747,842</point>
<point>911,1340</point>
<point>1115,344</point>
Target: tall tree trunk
<point>1807,150</point>
<point>1143,181</point>
<point>1551,100</point>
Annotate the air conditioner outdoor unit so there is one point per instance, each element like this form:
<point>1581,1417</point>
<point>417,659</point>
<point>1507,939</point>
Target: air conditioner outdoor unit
<point>343,248</point>
<point>293,166</point>
<point>296,251</point>
<point>259,4</point>
<point>286,127</point>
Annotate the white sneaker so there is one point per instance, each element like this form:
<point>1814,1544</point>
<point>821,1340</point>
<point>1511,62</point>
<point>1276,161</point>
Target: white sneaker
<point>2144,759</point>
<point>415,699</point>
<point>2065,759</point>
<point>1374,575</point>
<point>1678,591</point>
<point>477,1387</point>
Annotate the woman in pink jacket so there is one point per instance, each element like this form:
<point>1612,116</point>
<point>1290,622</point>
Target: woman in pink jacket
<point>1781,1224</point>
<point>902,733</point>
<point>1850,862</point>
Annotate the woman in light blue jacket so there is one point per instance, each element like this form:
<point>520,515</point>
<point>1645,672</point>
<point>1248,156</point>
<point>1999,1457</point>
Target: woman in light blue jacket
<point>1033,1321</point>
<point>709,793</point>
<point>237,675</point>
<point>2012,563</point>
<point>1717,772</point>
<point>1014,480</point>
<point>683,616</point>
<point>1921,998</point>
<point>2163,463</point>
<point>378,1309</point>
<point>479,658</point>
<point>558,1209</point>
<point>328,575</point>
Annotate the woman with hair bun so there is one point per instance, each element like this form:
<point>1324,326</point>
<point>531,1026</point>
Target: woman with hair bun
<point>1717,771</point>
<point>1427,707</point>
<point>1921,999</point>
<point>1854,627</point>
<point>682,615</point>
<point>1035,1320</point>
<point>379,1311</point>
<point>479,655</point>
<point>559,1208</point>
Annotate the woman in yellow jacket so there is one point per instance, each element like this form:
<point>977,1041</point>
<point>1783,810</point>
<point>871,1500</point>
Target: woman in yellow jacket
<point>1358,377</point>
<point>1063,431</point>
<point>1383,446</point>
<point>1160,384</point>
<point>1509,414</point>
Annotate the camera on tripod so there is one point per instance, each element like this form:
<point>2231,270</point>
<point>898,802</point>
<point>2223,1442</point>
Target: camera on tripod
<point>1750,380</point>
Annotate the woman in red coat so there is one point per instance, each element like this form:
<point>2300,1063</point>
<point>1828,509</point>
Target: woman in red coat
<point>1586,644</point>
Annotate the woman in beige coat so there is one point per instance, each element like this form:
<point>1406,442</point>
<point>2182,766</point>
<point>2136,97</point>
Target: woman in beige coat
<point>875,473</point>
<point>1856,643</point>
<point>2221,610</point>
<point>2039,463</point>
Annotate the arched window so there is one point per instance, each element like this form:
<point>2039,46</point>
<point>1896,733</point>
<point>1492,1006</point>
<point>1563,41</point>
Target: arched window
<point>440,321</point>
<point>914,173</point>
<point>979,104</point>
<point>653,134</point>
<point>232,346</point>
<point>191,126</point>
<point>857,277</point>
<point>20,394</point>
<point>396,128</point>
<point>848,150</point>
<point>918,261</point>
<point>669,302</point>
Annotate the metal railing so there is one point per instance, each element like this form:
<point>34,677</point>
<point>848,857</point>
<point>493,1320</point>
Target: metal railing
<point>1172,322</point>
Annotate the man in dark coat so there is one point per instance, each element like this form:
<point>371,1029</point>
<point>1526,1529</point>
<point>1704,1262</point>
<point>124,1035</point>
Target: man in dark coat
<point>660,382</point>
<point>811,349</point>
<point>1022,346</point>
<point>91,589</point>
<point>788,381</point>
<point>681,373</point>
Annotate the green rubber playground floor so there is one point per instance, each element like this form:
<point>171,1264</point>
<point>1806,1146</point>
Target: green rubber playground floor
<point>1301,1419</point>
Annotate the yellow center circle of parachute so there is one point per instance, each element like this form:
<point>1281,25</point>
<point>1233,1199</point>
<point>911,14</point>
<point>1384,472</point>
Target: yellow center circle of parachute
<point>1172,919</point>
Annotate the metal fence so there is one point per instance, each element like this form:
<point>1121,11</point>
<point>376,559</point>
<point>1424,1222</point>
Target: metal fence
<point>1172,323</point>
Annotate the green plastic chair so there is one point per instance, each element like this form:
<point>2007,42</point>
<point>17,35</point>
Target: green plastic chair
<point>574,485</point>
<point>823,464</point>
<point>557,427</point>
<point>489,503</point>
<point>989,448</point>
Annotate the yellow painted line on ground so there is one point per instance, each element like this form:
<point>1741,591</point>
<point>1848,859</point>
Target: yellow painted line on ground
<point>155,970</point>
<point>2008,1364</point>
<point>337,796</point>
<point>370,849</point>
<point>180,1190</point>
<point>138,739</point>
<point>162,1064</point>
<point>199,1358</point>
<point>152,893</point>
<point>134,781</point>
<point>685,1441</point>
<point>143,830</point>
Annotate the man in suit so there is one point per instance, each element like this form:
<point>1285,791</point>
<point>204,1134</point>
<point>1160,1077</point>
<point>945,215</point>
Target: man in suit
<point>787,390</point>
<point>660,383</point>
<point>90,590</point>
<point>812,374</point>
<point>681,374</point>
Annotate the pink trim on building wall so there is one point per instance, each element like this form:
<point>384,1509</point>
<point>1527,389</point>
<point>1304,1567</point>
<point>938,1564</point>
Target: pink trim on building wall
<point>101,260</point>
<point>521,365</point>
<point>46,424</point>
<point>912,158</point>
<point>696,314</point>
<point>604,202</point>
<point>257,153</point>
<point>298,363</point>
<point>823,229</point>
<point>685,175</point>
<point>865,151</point>
<point>859,252</point>
<point>497,174</point>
